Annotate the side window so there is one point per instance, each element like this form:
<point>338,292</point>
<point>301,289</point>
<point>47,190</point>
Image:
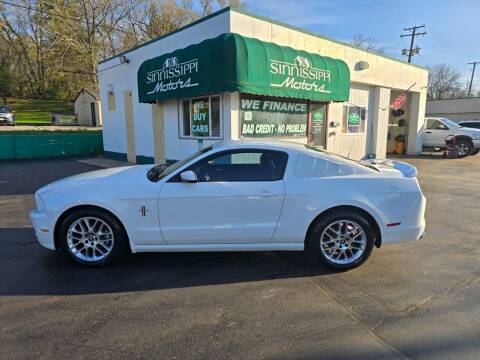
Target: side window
<point>315,167</point>
<point>242,165</point>
<point>434,124</point>
<point>440,126</point>
<point>430,124</point>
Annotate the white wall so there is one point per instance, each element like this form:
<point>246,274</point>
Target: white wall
<point>385,73</point>
<point>382,72</point>
<point>455,109</point>
<point>178,148</point>
<point>124,77</point>
<point>352,145</point>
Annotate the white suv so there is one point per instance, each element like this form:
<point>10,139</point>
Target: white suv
<point>437,129</point>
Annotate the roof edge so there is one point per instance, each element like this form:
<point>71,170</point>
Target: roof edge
<point>263,18</point>
<point>193,23</point>
<point>308,32</point>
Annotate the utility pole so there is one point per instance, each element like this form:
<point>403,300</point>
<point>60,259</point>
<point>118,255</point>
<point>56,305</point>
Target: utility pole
<point>473,74</point>
<point>413,32</point>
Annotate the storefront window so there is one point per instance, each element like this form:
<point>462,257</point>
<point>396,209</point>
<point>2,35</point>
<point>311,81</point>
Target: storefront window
<point>354,118</point>
<point>272,117</point>
<point>201,117</point>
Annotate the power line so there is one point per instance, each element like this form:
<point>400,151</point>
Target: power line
<point>54,15</point>
<point>39,11</point>
<point>473,74</point>
<point>413,32</point>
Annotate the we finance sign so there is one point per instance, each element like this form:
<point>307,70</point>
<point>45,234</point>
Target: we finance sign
<point>299,74</point>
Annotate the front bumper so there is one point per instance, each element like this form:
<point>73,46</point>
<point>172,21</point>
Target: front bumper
<point>43,230</point>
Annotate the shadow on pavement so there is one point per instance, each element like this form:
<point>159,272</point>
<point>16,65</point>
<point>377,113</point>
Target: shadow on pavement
<point>28,269</point>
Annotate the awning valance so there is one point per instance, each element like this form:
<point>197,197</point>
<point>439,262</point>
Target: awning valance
<point>231,62</point>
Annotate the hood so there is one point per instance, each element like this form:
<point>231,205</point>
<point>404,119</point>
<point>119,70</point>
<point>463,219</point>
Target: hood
<point>468,131</point>
<point>97,178</point>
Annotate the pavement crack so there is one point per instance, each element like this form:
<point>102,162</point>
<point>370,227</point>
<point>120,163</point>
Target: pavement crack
<point>356,318</point>
<point>419,305</point>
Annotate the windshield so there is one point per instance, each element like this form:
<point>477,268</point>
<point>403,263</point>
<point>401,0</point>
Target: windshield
<point>165,171</point>
<point>364,163</point>
<point>451,124</point>
<point>4,109</point>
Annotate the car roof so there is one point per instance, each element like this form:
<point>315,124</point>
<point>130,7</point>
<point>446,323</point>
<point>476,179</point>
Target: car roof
<point>283,145</point>
<point>228,144</point>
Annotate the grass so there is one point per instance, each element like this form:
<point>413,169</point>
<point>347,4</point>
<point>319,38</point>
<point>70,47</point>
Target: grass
<point>38,112</point>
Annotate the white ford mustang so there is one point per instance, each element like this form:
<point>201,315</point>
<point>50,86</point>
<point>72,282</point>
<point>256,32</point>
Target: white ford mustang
<point>235,196</point>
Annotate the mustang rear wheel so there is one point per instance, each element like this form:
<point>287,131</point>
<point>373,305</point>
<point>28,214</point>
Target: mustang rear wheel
<point>342,239</point>
<point>92,237</point>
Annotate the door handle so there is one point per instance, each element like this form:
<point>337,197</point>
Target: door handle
<point>428,132</point>
<point>267,194</point>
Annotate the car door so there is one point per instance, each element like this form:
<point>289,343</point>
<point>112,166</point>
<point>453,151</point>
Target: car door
<point>435,133</point>
<point>237,199</point>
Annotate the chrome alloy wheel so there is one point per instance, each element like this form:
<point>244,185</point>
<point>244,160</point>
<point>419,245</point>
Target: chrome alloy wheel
<point>343,242</point>
<point>90,239</point>
<point>462,149</point>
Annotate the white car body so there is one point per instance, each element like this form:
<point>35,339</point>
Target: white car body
<point>437,129</point>
<point>239,216</point>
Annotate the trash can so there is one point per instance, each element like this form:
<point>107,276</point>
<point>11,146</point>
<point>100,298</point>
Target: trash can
<point>399,144</point>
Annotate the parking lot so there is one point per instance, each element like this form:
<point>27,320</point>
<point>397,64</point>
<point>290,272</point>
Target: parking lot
<point>412,300</point>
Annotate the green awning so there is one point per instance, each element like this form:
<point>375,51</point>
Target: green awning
<point>231,62</point>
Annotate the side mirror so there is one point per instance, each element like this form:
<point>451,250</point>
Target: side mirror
<point>188,176</point>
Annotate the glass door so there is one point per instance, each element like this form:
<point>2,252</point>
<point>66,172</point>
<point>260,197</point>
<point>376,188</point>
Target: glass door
<point>317,123</point>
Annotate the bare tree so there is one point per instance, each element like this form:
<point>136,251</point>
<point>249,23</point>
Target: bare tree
<point>444,82</point>
<point>51,48</point>
<point>367,43</point>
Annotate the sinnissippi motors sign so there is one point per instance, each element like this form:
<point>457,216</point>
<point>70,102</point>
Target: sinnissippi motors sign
<point>231,62</point>
<point>172,76</point>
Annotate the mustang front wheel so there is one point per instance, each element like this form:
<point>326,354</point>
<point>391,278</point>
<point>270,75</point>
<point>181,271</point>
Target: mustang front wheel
<point>342,240</point>
<point>92,237</point>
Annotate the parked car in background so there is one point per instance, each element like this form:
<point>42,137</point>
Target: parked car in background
<point>474,124</point>
<point>467,140</point>
<point>235,196</point>
<point>7,115</point>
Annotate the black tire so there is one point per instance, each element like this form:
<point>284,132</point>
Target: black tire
<point>349,215</point>
<point>465,145</point>
<point>120,240</point>
<point>474,151</point>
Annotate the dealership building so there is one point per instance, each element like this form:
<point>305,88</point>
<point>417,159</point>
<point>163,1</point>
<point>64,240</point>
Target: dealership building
<point>234,75</point>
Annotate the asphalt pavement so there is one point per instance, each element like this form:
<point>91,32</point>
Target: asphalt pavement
<point>414,300</point>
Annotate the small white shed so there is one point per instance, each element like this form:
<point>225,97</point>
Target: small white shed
<point>87,107</point>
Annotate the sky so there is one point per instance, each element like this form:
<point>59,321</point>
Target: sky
<point>453,27</point>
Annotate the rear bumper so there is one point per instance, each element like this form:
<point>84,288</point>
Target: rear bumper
<point>411,228</point>
<point>43,232</point>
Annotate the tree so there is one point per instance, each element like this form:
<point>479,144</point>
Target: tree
<point>367,43</point>
<point>51,48</point>
<point>444,82</point>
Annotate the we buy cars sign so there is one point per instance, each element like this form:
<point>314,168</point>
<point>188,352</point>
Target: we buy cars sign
<point>398,101</point>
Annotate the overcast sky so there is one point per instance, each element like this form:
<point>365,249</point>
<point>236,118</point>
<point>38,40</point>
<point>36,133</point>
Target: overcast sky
<point>453,27</point>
